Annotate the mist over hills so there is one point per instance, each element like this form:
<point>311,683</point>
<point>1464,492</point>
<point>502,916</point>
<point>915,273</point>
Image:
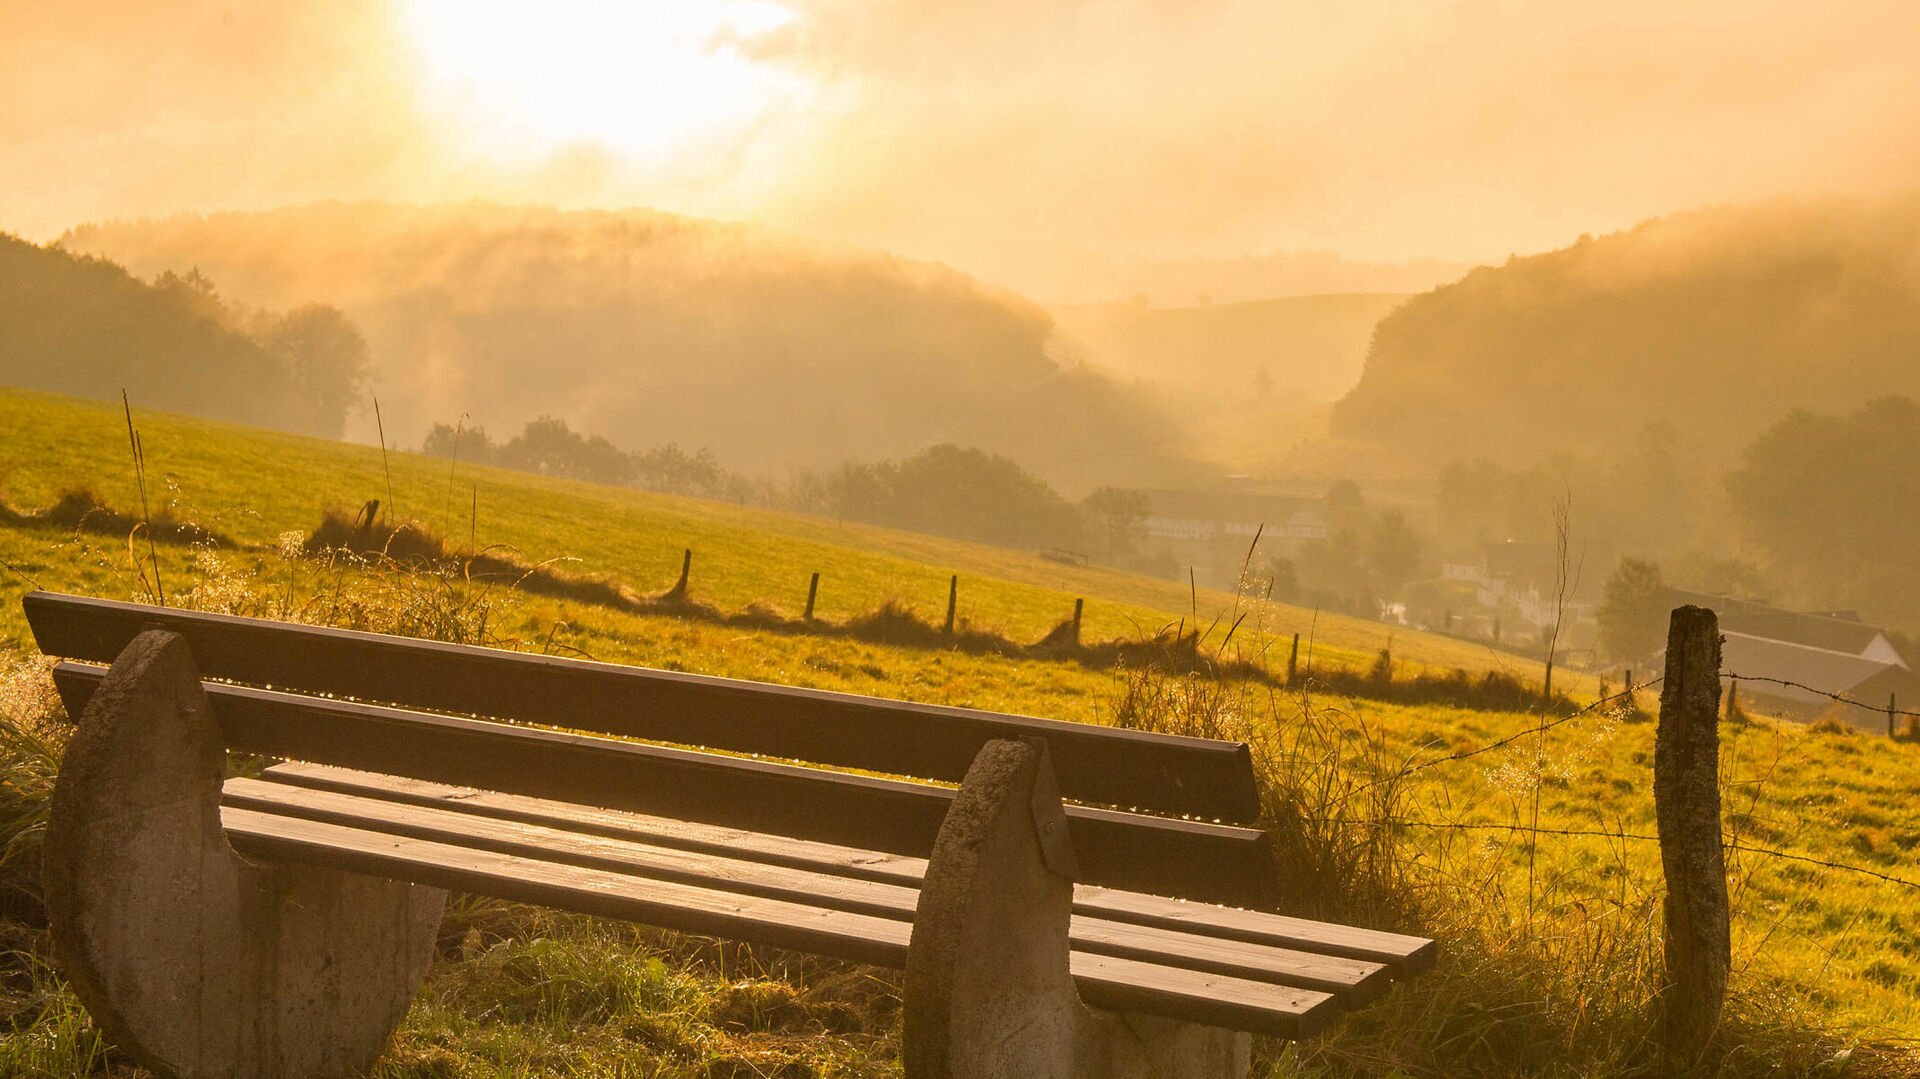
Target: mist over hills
<point>1715,321</point>
<point>1077,278</point>
<point>1250,381</point>
<point>1301,349</point>
<point>648,327</point>
<point>85,326</point>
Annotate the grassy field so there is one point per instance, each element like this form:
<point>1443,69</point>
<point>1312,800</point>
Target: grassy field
<point>254,485</point>
<point>1551,938</point>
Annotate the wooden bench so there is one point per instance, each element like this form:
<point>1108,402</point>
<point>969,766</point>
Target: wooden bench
<point>279,926</point>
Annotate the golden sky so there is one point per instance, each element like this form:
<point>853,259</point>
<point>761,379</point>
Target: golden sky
<point>996,135</point>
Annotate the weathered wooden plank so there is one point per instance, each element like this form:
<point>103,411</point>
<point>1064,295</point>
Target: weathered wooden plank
<point>669,905</point>
<point>715,869</point>
<point>1130,986</point>
<point>846,861</point>
<point>1130,769</point>
<point>1110,982</point>
<point>1405,955</point>
<point>1212,862</point>
<point>1354,981</point>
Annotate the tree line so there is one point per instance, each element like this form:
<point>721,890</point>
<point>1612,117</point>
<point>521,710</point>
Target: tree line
<point>87,327</point>
<point>946,489</point>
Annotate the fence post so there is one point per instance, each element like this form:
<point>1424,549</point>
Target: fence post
<point>953,601</point>
<point>679,590</point>
<point>813,589</point>
<point>1890,712</point>
<point>1686,802</point>
<point>1293,660</point>
<point>1079,605</point>
<point>1632,704</point>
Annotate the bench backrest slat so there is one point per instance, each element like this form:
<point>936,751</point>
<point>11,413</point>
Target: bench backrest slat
<point>1153,773</point>
<point>1196,860</point>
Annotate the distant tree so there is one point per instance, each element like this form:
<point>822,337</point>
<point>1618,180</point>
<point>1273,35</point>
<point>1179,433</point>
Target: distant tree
<point>1333,573</point>
<point>1632,612</point>
<point>193,291</point>
<point>1118,519</point>
<point>548,446</point>
<point>1392,551</point>
<point>85,326</point>
<point>1344,495</point>
<point>861,491</point>
<point>545,445</point>
<point>671,470</point>
<point>949,490</point>
<point>1834,502</point>
<point>459,442</point>
<point>1285,580</point>
<point>325,362</point>
<point>600,461</point>
<point>971,494</point>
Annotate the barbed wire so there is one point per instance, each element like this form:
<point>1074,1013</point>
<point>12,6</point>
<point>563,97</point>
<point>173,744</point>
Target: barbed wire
<point>1790,856</point>
<point>1608,833</point>
<point>1542,728</point>
<point>1880,708</point>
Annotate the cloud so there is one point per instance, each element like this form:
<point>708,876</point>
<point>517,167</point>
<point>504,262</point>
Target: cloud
<point>1004,136</point>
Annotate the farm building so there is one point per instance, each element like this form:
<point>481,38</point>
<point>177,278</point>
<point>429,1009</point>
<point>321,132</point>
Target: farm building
<point>1822,672</point>
<point>1833,631</point>
<point>1824,653</point>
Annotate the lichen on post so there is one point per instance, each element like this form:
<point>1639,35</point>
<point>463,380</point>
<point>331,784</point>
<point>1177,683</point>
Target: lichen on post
<point>1686,797</point>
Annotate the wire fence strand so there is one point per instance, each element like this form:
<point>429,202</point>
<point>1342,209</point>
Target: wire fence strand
<point>1610,833</point>
<point>1839,698</point>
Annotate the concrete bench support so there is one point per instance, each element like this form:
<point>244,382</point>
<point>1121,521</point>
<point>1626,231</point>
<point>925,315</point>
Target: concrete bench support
<point>192,960</point>
<point>989,993</point>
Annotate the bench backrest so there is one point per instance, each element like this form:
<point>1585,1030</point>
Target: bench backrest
<point>306,665</point>
<point>1153,773</point>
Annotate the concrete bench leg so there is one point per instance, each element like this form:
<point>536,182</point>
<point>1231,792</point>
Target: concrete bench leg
<point>192,960</point>
<point>989,994</point>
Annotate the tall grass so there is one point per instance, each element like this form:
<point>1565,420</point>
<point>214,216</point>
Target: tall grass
<point>517,991</point>
<point>1548,966</point>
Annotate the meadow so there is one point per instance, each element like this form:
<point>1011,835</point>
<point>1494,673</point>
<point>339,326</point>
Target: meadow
<point>1517,838</point>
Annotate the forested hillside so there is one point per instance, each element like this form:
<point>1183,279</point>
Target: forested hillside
<point>1716,321</point>
<point>651,328</point>
<point>86,326</point>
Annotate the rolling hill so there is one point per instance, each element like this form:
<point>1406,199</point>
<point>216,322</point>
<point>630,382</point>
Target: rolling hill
<point>648,327</point>
<point>82,325</point>
<point>256,486</point>
<point>1548,944</point>
<point>1715,321</point>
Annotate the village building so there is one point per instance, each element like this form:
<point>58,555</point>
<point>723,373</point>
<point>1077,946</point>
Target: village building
<point>1793,664</point>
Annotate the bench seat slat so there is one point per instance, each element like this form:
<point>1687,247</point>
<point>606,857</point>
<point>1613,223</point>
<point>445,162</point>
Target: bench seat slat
<point>1156,773</point>
<point>1216,862</point>
<point>1405,955</point>
<point>1354,981</point>
<point>1111,982</point>
<point>669,905</point>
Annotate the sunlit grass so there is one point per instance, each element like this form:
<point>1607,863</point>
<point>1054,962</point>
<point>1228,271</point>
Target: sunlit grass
<point>1551,945</point>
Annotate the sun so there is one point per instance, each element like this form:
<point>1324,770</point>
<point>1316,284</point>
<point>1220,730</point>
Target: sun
<point>642,77</point>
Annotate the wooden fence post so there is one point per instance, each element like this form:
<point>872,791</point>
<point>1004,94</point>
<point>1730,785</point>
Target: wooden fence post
<point>1686,802</point>
<point>1293,660</point>
<point>1890,712</point>
<point>953,601</point>
<point>679,590</point>
<point>1079,605</point>
<point>813,589</point>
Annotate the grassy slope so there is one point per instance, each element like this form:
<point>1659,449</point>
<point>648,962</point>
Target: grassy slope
<point>253,485</point>
<point>1813,946</point>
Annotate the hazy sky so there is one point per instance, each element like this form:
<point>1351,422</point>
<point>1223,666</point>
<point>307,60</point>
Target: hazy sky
<point>995,135</point>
